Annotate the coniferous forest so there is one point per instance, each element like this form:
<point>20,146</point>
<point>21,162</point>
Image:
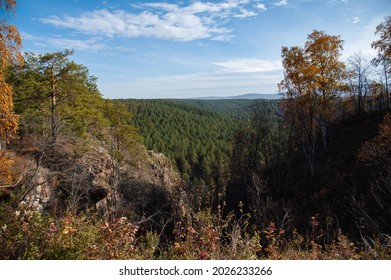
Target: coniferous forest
<point>307,176</point>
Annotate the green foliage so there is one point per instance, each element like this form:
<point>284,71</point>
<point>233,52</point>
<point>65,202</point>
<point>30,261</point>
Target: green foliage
<point>236,108</point>
<point>194,134</point>
<point>49,78</point>
<point>122,137</point>
<point>55,96</point>
<point>196,139</point>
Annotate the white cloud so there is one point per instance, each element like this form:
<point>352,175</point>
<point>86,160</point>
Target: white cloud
<point>355,20</point>
<point>199,20</point>
<point>245,14</point>
<point>250,65</point>
<point>91,44</point>
<point>223,38</point>
<point>26,36</point>
<point>261,6</point>
<point>222,9</point>
<point>174,26</point>
<point>76,44</point>
<point>281,3</point>
<point>165,6</point>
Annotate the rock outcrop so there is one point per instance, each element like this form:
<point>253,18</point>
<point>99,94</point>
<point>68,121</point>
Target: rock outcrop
<point>95,179</point>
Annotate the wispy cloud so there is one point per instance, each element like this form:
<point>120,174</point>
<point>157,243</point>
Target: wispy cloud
<point>281,3</point>
<point>363,42</point>
<point>91,44</point>
<point>250,65</point>
<point>198,20</point>
<point>245,14</point>
<point>355,20</point>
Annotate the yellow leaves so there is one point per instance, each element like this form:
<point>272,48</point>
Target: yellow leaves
<point>68,229</point>
<point>314,76</point>
<point>8,119</point>
<point>10,44</point>
<point>376,151</point>
<point>5,168</point>
<point>192,231</point>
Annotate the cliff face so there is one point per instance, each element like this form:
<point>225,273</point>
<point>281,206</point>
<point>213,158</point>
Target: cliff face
<point>66,178</point>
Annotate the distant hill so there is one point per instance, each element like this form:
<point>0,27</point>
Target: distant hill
<point>243,96</point>
<point>236,108</point>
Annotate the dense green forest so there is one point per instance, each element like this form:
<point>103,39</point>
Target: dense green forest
<point>303,177</point>
<point>235,108</point>
<point>196,135</point>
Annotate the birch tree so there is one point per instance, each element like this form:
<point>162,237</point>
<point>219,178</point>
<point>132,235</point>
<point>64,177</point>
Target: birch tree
<point>313,79</point>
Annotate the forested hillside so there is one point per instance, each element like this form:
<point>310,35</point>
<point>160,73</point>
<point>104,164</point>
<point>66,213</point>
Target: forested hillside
<point>236,108</point>
<point>195,139</point>
<point>195,134</point>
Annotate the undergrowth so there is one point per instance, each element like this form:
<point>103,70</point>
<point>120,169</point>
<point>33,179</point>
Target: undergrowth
<point>25,234</point>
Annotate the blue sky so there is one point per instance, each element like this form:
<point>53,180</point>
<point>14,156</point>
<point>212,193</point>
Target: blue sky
<point>191,48</point>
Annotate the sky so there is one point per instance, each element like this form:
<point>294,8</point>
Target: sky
<point>191,48</point>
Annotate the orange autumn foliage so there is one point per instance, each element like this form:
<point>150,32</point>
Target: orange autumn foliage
<point>10,44</point>
<point>5,169</point>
